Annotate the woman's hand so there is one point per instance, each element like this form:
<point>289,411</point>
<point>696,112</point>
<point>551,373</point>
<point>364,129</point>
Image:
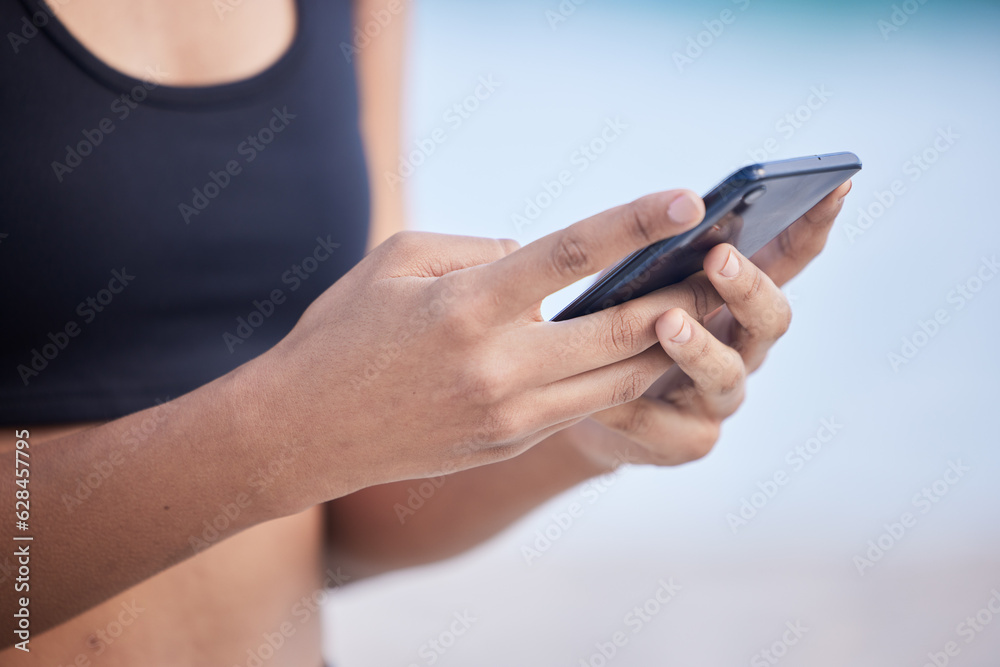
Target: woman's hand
<point>678,419</point>
<point>431,355</point>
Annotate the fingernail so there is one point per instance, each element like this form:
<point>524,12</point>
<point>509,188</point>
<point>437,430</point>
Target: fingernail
<point>684,335</point>
<point>731,267</point>
<point>684,209</point>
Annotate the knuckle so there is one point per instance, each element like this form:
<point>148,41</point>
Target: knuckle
<point>401,241</point>
<point>570,257</point>
<point>640,220</point>
<point>636,419</point>
<point>823,214</point>
<point>731,387</point>
<point>755,289</point>
<point>500,451</point>
<point>782,315</point>
<point>684,396</point>
<point>773,321</point>
<point>508,246</point>
<point>732,375</point>
<point>624,332</point>
<point>482,386</point>
<point>452,318</point>
<point>498,426</point>
<point>475,297</point>
<point>703,355</point>
<point>629,387</point>
<point>804,244</point>
<point>699,296</point>
<point>786,245</point>
<point>813,245</point>
<point>450,285</point>
<point>428,265</point>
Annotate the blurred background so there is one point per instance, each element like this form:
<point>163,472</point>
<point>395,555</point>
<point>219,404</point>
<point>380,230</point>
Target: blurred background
<point>877,410</point>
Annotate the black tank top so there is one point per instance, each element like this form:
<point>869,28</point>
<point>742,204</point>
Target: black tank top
<point>153,238</point>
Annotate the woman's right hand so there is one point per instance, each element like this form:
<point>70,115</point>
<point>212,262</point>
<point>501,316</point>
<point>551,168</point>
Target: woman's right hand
<point>431,355</point>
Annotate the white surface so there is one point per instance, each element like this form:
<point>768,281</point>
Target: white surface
<point>852,307</point>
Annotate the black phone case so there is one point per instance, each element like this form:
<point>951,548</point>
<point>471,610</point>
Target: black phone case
<point>797,185</point>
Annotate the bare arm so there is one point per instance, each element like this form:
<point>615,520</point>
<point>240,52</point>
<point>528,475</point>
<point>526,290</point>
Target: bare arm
<point>112,505</point>
<point>171,468</point>
<point>380,68</point>
<point>443,308</point>
<point>409,523</point>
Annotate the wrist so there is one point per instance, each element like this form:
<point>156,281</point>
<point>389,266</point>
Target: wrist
<point>260,446</point>
<point>295,461</point>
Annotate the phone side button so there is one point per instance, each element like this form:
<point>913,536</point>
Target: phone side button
<point>754,194</point>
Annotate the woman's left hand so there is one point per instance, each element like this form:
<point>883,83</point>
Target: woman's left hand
<point>679,418</point>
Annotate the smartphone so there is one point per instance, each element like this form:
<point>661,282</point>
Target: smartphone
<point>748,209</point>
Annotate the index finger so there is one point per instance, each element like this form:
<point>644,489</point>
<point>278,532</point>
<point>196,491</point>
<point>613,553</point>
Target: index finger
<point>522,279</point>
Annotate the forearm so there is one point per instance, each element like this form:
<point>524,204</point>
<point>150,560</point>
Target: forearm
<point>115,504</point>
<point>413,522</point>
<point>380,73</point>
